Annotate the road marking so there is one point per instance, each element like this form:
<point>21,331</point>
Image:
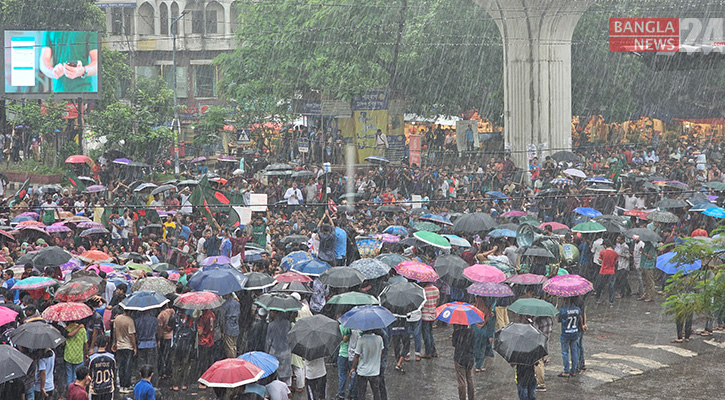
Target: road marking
<point>615,365</point>
<point>637,360</point>
<point>715,343</point>
<point>600,376</point>
<point>672,349</point>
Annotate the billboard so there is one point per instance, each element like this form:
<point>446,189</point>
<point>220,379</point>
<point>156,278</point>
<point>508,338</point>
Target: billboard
<point>667,35</point>
<point>38,64</point>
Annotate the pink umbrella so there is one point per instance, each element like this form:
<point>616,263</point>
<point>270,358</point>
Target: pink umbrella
<point>57,229</point>
<point>7,315</point>
<point>89,224</point>
<point>417,271</point>
<point>484,273</point>
<point>513,213</point>
<point>527,279</point>
<point>554,226</point>
<point>567,286</point>
<point>387,238</point>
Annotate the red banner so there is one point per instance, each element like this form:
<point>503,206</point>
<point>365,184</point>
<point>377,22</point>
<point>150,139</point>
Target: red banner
<point>644,35</point>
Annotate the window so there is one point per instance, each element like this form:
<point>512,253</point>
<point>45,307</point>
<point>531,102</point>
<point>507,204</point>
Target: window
<point>164,19</point>
<point>204,81</point>
<point>121,21</point>
<point>197,22</point>
<point>167,71</point>
<point>146,20</point>
<point>211,21</point>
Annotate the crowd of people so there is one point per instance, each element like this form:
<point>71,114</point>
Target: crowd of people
<point>330,215</point>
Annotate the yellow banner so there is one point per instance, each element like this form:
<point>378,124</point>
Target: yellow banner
<point>366,124</point>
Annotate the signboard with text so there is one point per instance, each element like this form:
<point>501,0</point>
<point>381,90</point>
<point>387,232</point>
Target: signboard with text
<point>667,35</point>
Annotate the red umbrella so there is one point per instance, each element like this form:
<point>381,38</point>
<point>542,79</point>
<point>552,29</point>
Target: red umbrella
<point>198,301</point>
<point>95,256</point>
<point>77,159</point>
<point>527,279</point>
<point>484,273</point>
<point>67,312</point>
<point>637,213</point>
<point>7,235</point>
<point>292,277</point>
<point>459,313</point>
<point>417,271</point>
<point>231,373</point>
<point>77,290</point>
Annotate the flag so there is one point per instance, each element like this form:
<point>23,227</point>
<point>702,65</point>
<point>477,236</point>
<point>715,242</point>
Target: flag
<point>75,182</point>
<point>331,206</point>
<point>23,191</point>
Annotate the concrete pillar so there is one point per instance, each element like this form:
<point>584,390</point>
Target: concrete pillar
<point>537,71</point>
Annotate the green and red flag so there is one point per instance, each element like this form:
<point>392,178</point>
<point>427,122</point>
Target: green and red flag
<point>75,182</point>
<point>23,191</point>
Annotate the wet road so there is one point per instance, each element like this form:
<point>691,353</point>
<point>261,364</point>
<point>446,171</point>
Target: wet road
<point>628,351</point>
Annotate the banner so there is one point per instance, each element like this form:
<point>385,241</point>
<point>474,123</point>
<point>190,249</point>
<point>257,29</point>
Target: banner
<point>396,139</point>
<point>667,35</point>
<point>415,147</point>
<point>366,124</point>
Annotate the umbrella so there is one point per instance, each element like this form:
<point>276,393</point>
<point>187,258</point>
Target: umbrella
<point>589,227</point>
<point>567,286</point>
<point>513,214</point>
<point>51,256</point>
<point>372,268</point>
<point>717,185</point>
<point>266,362</point>
<point>8,315</point>
<point>198,160</point>
<point>612,226</point>
<point>290,287</point>
<point>507,269</point>
<point>387,238</point>
<point>231,373</point>
<point>76,290</point>
<point>439,219</point>
<point>418,211</point>
<point>303,174</point>
<point>432,239</point>
<point>645,235</point>
<point>551,192</point>
<point>353,299</point>
<point>36,335</point>
<point>159,267</point>
<point>94,231</point>
<point>278,302</point>
<point>292,259</point>
<point>95,189</point>
<point>143,301</point>
<point>587,212</point>
<point>34,282</point>
<point>188,182</point>
<point>161,189</point>
<point>417,271</point>
<point>490,289</point>
<point>57,229</point>
<point>367,317</point>
<point>663,216</point>
<point>258,281</point>
<point>554,226</point>
<point>144,186</point>
<point>396,230</point>
<point>459,313</point>
<point>497,195</point>
<point>154,284</point>
<point>377,160</point>
<point>390,209</point>
<point>15,364</point>
<point>215,260</point>
<point>534,251</point>
<point>671,203</point>
<point>138,266</point>
<point>520,343</point>
<point>292,277</point>
<point>666,265</point>
<point>716,212</point>
<point>278,167</point>
<point>474,223</point>
<point>315,337</point>
<point>312,267</point>
<point>498,233</point>
<point>598,187</point>
<point>533,307</point>
<point>562,182</point>
<point>122,161</point>
<point>402,298</point>
<point>198,301</point>
<point>457,241</point>
<point>484,273</point>
<point>294,239</point>
<point>137,257</point>
<point>529,220</point>
<point>426,226</point>
<point>450,268</point>
<point>218,280</point>
<point>342,277</point>
<point>78,159</point>
<point>527,279</point>
<point>560,156</point>
<point>637,213</point>
<point>575,172</point>
<point>62,312</point>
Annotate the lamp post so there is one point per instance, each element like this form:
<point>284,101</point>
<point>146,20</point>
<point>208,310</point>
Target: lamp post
<point>175,124</point>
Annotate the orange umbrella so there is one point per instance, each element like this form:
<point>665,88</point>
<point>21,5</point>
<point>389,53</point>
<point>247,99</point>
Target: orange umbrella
<point>95,256</point>
<point>31,223</point>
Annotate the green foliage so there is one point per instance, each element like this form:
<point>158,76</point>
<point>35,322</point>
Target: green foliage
<point>30,166</point>
<point>139,128</point>
<point>208,129</point>
<point>44,119</point>
<point>51,14</point>
<point>115,71</point>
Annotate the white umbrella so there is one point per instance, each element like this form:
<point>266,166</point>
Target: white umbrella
<point>575,172</point>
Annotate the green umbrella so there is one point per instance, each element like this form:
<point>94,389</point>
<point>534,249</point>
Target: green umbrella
<point>589,227</point>
<point>433,239</point>
<point>533,307</point>
<point>353,299</point>
<point>142,267</point>
<point>427,226</point>
<point>715,185</point>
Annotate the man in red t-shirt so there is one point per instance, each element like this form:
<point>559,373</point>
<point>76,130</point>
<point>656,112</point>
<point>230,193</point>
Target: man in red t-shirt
<point>608,258</point>
<point>77,389</point>
<point>699,232</point>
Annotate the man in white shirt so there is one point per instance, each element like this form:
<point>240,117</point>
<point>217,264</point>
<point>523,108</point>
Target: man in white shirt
<point>200,251</point>
<point>293,195</point>
<point>366,364</point>
<point>636,259</point>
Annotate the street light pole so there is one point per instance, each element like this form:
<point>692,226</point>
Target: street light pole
<point>175,124</point>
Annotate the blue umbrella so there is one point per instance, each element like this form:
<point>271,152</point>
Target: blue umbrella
<point>666,265</point>
<point>702,207</point>
<point>437,218</point>
<point>238,275</point>
<point>497,195</point>
<point>313,267</point>
<point>372,268</point>
<point>252,255</point>
<point>497,233</point>
<point>256,388</point>
<point>266,362</point>
<point>294,258</point>
<point>598,179</point>
<point>458,241</point>
<point>716,212</point>
<point>143,301</point>
<point>220,281</point>
<point>396,230</point>
<point>22,218</point>
<point>587,212</point>
<point>367,318</point>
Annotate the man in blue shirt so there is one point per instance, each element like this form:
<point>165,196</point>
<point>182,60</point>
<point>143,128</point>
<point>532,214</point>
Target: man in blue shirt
<point>226,247</point>
<point>147,325</point>
<point>9,282</point>
<point>569,317</point>
<point>340,246</point>
<point>144,390</point>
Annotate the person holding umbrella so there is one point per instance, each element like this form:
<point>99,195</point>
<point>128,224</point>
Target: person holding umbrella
<point>463,359</point>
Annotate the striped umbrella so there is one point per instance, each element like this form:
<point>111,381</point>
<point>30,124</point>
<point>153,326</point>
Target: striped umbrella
<point>459,313</point>
<point>63,312</point>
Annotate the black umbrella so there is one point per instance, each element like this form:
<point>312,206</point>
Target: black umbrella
<point>26,258</point>
<point>315,337</point>
<point>534,251</point>
<point>303,174</point>
<point>133,256</point>
<point>158,267</point>
<point>671,203</point>
<point>52,256</point>
<point>402,298</point>
<point>294,239</point>
<point>152,227</point>
<point>279,302</point>
<point>613,226</point>
<point>390,209</point>
<point>450,269</point>
<point>290,287</point>
<point>349,196</point>
<point>14,365</point>
<point>50,189</point>
<point>548,192</point>
<point>418,211</point>
<point>161,189</point>
<point>342,277</point>
<point>651,186</point>
<point>520,344</point>
<point>278,167</point>
<point>411,241</point>
<point>565,156</point>
<point>87,276</point>
<point>258,281</point>
<point>473,223</point>
<point>513,227</point>
<point>37,335</point>
<point>645,235</point>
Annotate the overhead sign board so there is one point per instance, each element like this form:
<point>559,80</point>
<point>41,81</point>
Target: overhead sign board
<point>667,35</point>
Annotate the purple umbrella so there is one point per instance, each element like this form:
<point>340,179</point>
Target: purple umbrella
<point>527,279</point>
<point>57,229</point>
<point>94,231</point>
<point>89,224</point>
<point>215,260</point>
<point>387,238</point>
<point>95,188</point>
<point>567,286</point>
<point>490,289</point>
<point>198,159</point>
<point>29,214</point>
<point>227,158</point>
<point>122,161</point>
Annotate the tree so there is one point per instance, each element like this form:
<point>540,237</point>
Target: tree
<point>51,14</point>
<point>43,119</point>
<point>210,125</point>
<point>142,128</point>
<point>115,72</point>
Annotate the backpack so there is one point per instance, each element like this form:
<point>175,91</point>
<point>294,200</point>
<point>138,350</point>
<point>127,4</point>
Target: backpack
<point>184,335</point>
